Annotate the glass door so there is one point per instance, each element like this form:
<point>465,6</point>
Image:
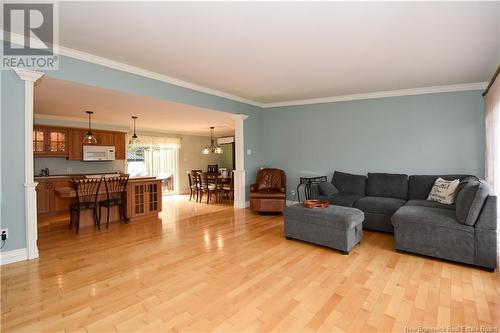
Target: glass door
<point>154,160</point>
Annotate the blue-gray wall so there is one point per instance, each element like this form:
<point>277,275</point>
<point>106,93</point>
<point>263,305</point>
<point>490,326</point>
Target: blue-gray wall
<point>12,159</point>
<point>422,134</point>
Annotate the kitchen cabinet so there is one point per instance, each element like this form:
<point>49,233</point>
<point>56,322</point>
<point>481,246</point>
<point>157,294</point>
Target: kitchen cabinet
<point>67,142</point>
<point>143,198</point>
<point>47,199</point>
<point>120,144</point>
<point>50,141</point>
<point>75,139</point>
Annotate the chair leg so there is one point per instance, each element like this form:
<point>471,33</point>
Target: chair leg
<point>122,207</point>
<point>77,221</point>
<point>96,220</point>
<point>107,216</point>
<point>70,218</point>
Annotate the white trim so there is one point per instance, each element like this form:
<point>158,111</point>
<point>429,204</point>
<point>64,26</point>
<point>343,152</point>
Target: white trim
<point>72,53</point>
<point>9,257</point>
<point>239,173</point>
<point>30,78</point>
<point>247,204</point>
<point>291,202</point>
<point>382,94</point>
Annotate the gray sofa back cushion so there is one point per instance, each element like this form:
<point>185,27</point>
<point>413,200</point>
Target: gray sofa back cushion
<point>347,183</point>
<point>326,188</point>
<point>419,186</point>
<point>387,185</point>
<point>470,201</point>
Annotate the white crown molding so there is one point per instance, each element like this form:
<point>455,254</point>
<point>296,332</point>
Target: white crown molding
<point>72,53</point>
<point>28,75</point>
<point>9,257</point>
<point>382,94</point>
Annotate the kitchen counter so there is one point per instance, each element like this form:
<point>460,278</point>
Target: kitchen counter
<point>143,199</point>
<point>133,178</point>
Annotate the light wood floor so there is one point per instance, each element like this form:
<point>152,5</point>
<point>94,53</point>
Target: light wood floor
<point>211,268</point>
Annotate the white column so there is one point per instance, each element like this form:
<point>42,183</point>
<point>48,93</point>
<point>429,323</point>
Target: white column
<point>239,173</point>
<point>30,78</point>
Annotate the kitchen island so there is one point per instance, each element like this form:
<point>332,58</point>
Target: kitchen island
<point>143,197</point>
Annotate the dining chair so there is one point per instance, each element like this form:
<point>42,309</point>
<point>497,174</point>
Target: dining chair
<point>116,190</point>
<point>192,186</point>
<point>228,189</point>
<point>213,186</point>
<point>201,185</point>
<point>87,190</point>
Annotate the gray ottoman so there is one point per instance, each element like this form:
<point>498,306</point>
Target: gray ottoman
<point>336,227</point>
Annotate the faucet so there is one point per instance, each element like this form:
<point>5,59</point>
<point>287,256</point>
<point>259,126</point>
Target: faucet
<point>45,172</point>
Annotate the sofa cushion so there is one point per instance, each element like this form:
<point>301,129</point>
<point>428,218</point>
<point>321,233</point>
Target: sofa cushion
<point>439,217</point>
<point>326,188</point>
<point>470,201</point>
<point>268,193</point>
<point>428,203</point>
<point>340,199</point>
<point>349,184</point>
<point>419,186</point>
<point>387,185</point>
<point>379,205</point>
<point>444,191</point>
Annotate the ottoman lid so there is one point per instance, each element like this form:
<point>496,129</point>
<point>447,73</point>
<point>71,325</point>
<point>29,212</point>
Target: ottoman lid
<point>336,216</point>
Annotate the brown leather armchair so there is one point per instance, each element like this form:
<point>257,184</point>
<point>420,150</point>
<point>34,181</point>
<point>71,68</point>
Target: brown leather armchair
<point>268,194</point>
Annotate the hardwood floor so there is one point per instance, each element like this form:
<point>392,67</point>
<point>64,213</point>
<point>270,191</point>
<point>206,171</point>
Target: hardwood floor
<point>211,268</point>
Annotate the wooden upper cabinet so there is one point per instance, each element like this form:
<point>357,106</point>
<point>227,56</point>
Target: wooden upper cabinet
<point>50,141</point>
<point>38,140</point>
<point>67,142</point>
<point>120,146</point>
<point>58,141</point>
<point>75,145</point>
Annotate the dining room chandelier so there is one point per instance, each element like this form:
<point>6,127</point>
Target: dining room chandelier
<point>213,148</point>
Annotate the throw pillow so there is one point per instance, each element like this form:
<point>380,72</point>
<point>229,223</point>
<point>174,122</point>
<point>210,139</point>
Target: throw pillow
<point>470,201</point>
<point>327,189</point>
<point>443,191</point>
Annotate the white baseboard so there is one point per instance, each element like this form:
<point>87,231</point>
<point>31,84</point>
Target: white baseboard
<point>9,257</point>
<point>291,202</point>
<point>247,204</point>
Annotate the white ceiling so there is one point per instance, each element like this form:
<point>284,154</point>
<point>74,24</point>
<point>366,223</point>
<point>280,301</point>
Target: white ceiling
<point>282,51</point>
<point>68,101</point>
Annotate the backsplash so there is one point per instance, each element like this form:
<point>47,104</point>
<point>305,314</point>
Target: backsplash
<point>59,166</point>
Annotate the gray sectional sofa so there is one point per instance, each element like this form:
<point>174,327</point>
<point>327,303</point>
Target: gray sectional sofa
<point>397,203</point>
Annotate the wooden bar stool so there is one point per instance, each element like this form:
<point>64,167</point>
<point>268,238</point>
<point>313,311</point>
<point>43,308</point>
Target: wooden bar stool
<point>116,190</point>
<point>86,198</point>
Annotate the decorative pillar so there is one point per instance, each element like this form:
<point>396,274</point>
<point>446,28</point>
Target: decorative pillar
<point>30,78</point>
<point>239,173</point>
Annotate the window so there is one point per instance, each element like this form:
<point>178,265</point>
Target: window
<point>155,156</point>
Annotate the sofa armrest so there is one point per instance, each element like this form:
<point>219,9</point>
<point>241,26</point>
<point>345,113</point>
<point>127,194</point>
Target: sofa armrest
<point>488,217</point>
<point>253,188</point>
<point>485,235</point>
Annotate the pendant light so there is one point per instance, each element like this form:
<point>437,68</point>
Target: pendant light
<point>214,148</point>
<point>134,140</point>
<point>89,138</point>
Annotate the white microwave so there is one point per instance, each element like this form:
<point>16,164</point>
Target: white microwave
<point>98,153</point>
